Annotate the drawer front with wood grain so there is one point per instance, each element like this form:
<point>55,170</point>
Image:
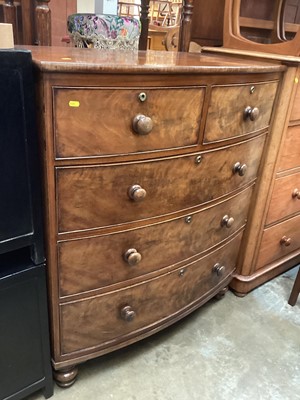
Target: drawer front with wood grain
<point>95,121</point>
<point>279,241</point>
<point>140,190</point>
<point>107,319</point>
<point>91,263</point>
<point>239,110</point>
<point>285,199</point>
<point>289,157</point>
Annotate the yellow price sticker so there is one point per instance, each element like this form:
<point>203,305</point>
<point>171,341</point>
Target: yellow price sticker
<point>74,103</point>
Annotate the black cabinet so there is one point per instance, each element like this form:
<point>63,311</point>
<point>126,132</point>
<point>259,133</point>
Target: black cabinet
<point>24,334</point>
<point>24,342</point>
<point>20,211</point>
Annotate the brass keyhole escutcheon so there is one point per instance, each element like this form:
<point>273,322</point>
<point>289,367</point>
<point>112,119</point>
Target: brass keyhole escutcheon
<point>142,97</point>
<point>188,219</point>
<point>198,159</point>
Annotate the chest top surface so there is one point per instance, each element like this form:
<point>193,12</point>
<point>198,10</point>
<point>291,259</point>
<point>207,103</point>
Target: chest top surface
<point>60,59</point>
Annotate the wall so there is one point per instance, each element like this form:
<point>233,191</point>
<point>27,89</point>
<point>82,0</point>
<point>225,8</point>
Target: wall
<point>85,6</point>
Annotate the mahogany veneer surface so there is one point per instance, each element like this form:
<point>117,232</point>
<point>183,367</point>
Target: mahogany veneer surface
<point>124,264</point>
<point>80,189</point>
<point>275,244</point>
<point>176,115</point>
<point>289,158</point>
<point>226,101</point>
<point>271,244</point>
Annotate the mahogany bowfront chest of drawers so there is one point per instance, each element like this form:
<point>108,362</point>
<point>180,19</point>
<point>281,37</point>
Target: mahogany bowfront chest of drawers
<point>150,162</point>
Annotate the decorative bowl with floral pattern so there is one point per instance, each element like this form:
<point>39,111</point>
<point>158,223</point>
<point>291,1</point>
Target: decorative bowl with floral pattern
<point>104,31</point>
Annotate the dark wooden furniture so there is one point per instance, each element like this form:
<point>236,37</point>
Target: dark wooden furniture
<point>241,24</point>
<point>202,23</point>
<point>24,336</point>
<point>273,236</point>
<point>149,168</point>
<point>20,202</point>
<point>24,333</point>
<point>271,243</point>
<point>31,20</point>
<point>270,35</point>
<point>295,290</point>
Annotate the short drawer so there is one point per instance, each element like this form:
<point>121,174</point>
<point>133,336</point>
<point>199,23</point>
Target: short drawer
<point>102,320</point>
<point>101,121</point>
<point>285,198</point>
<point>112,194</point>
<point>290,149</point>
<point>239,110</point>
<point>279,241</point>
<point>92,263</point>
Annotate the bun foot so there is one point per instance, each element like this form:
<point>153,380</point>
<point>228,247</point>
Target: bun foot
<point>65,377</point>
<point>221,293</point>
<point>239,294</point>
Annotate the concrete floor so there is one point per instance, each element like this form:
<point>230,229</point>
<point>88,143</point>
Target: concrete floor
<point>236,348</point>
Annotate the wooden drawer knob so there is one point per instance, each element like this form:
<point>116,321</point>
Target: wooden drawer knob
<point>132,257</point>
<point>227,221</point>
<point>251,113</point>
<point>296,194</point>
<point>240,169</point>
<point>136,193</point>
<point>219,269</point>
<point>285,241</point>
<point>142,125</point>
<point>127,313</point>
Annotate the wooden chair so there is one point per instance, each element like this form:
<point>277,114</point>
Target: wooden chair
<point>260,24</point>
<point>161,13</point>
<point>202,23</point>
<point>145,24</point>
<point>295,291</point>
<point>127,9</point>
<point>31,21</point>
<point>232,37</point>
<point>226,22</point>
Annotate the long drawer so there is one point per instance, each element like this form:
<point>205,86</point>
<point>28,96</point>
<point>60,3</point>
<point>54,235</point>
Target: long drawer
<point>135,191</point>
<point>238,110</point>
<point>91,263</point>
<point>285,198</point>
<point>289,157</point>
<point>279,241</point>
<point>103,320</point>
<point>172,119</point>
